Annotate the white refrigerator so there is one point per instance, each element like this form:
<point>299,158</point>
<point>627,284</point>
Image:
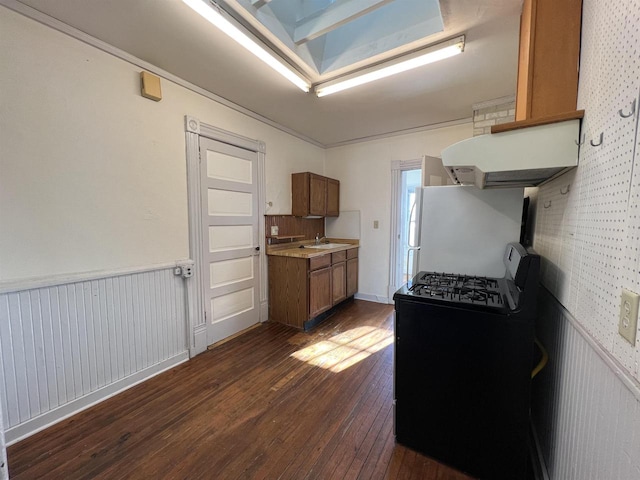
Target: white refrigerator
<point>465,230</point>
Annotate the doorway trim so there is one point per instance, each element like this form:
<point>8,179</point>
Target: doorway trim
<point>194,129</point>
<point>397,167</point>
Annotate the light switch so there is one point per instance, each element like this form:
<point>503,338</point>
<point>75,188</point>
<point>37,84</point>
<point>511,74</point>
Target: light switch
<point>375,224</point>
<point>628,325</point>
<point>150,86</point>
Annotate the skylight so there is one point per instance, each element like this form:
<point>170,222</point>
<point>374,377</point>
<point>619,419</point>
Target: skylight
<point>325,36</point>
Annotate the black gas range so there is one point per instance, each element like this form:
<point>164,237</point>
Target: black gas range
<point>448,287</point>
<point>463,361</point>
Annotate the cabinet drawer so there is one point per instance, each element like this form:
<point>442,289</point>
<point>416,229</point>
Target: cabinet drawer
<point>352,253</point>
<point>319,262</point>
<point>338,257</point>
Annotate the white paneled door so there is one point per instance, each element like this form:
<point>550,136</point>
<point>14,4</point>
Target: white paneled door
<point>230,232</point>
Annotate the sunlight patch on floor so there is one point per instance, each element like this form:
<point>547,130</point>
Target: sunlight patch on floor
<point>345,349</point>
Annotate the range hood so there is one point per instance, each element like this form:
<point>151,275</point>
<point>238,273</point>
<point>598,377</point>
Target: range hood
<point>526,157</point>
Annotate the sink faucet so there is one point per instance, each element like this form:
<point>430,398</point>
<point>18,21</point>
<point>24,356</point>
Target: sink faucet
<point>318,239</point>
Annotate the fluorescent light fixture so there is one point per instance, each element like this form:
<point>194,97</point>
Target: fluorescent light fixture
<point>422,57</point>
<point>215,17</point>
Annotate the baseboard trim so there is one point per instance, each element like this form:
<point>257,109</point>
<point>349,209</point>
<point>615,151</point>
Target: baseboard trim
<point>537,459</point>
<point>372,298</point>
<point>264,311</point>
<point>231,337</point>
<point>199,339</point>
<point>37,424</point>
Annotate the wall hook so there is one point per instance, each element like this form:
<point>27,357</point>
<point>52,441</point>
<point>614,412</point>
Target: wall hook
<point>633,110</point>
<point>599,142</point>
<point>565,190</point>
<point>581,142</point>
<point>547,204</point>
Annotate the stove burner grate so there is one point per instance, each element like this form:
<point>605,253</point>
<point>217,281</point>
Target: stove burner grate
<point>457,288</point>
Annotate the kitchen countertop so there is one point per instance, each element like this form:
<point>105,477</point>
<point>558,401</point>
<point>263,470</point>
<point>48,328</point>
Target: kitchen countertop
<point>294,250</point>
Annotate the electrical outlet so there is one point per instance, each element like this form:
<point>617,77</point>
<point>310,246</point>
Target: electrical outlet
<point>274,230</point>
<point>628,325</point>
<point>187,271</point>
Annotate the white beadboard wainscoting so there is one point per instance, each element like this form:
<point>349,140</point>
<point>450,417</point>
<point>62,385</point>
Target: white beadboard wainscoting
<point>585,406</point>
<point>69,345</point>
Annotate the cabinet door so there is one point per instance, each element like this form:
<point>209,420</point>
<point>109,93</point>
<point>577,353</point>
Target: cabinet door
<point>333,197</point>
<point>352,276</point>
<point>300,194</point>
<point>288,298</point>
<point>319,291</point>
<point>317,195</point>
<point>339,282</point>
<point>548,58</point>
<point>525,66</point>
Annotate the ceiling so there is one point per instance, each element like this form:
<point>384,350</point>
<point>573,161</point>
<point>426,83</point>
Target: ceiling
<point>170,35</point>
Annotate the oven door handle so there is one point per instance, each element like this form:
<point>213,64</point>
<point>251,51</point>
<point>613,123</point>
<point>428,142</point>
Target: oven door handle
<point>409,272</point>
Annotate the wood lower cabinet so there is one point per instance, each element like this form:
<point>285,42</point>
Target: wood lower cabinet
<point>301,290</point>
<point>352,276</point>
<point>338,277</point>
<point>320,291</point>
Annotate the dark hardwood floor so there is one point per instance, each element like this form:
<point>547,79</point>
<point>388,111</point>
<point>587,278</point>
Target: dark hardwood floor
<point>251,408</point>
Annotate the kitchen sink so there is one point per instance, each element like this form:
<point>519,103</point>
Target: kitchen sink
<point>328,245</point>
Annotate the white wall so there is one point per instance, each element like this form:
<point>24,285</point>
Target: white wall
<point>92,175</point>
<point>93,179</point>
<point>364,171</point>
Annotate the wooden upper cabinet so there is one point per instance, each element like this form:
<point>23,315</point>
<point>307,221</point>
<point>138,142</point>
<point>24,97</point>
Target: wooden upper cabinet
<point>333,197</point>
<point>317,195</point>
<point>300,194</point>
<point>548,58</point>
<point>313,194</point>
